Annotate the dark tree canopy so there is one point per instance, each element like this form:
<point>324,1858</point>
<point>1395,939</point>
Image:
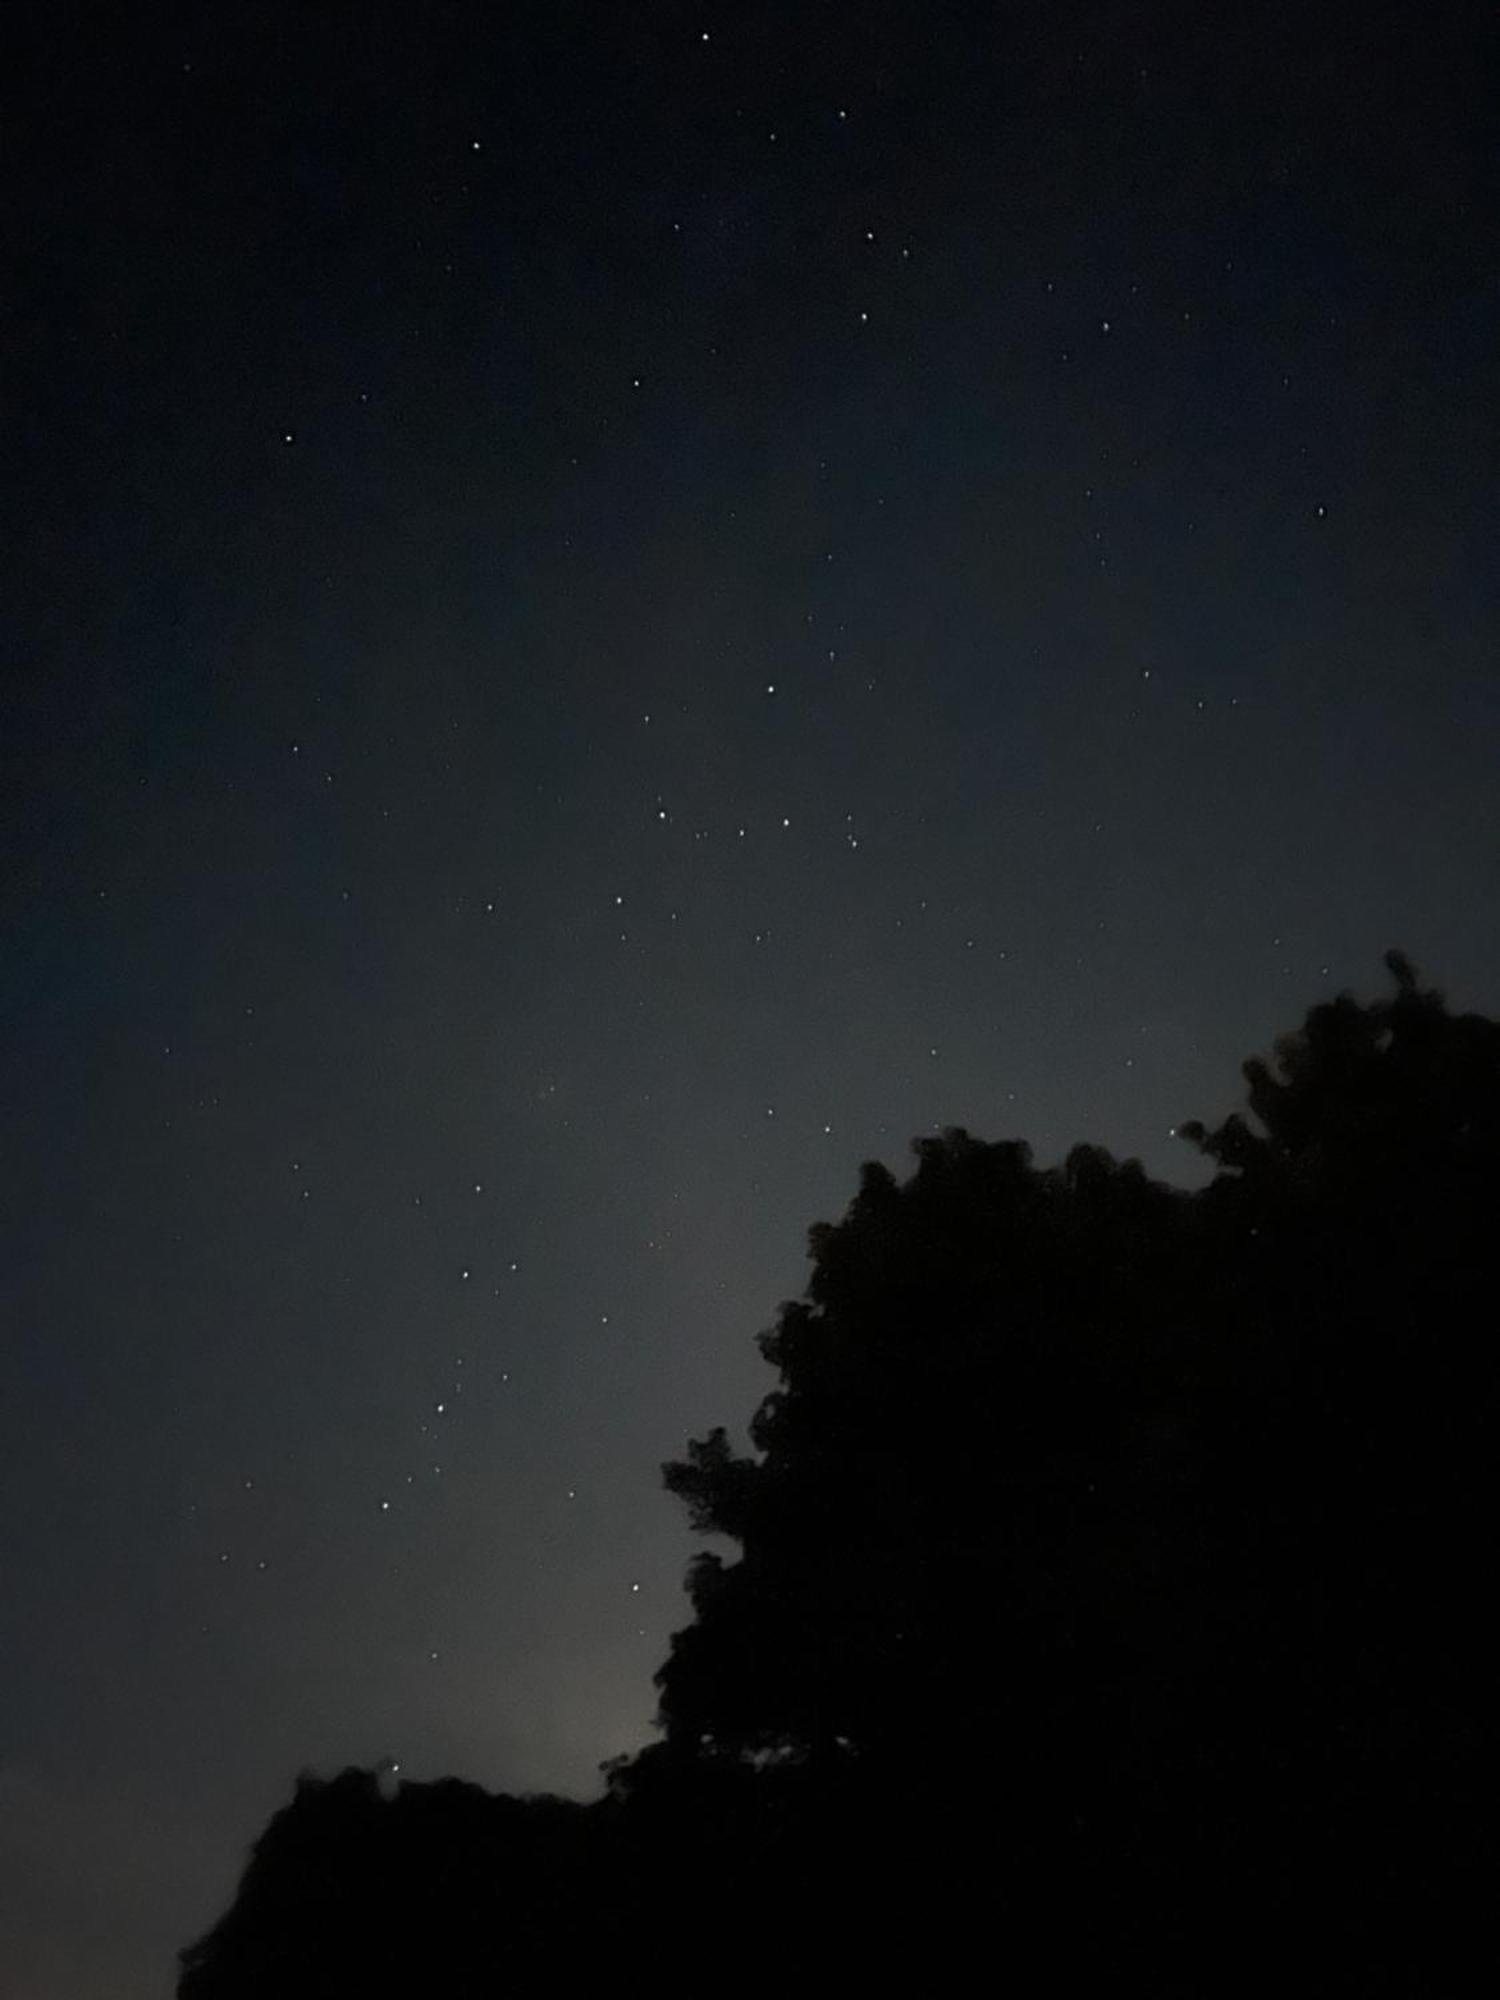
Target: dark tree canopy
<point>1107,1591</point>
<point>1128,1522</point>
<point>355,1891</point>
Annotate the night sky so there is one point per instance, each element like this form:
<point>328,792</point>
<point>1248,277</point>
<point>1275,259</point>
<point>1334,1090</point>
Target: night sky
<point>610,610</point>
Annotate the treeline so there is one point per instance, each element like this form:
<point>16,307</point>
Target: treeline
<point>1111,1599</point>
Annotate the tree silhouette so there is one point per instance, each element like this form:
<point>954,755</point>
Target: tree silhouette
<point>430,1888</point>
<point>1136,1534</point>
<point>1109,1592</point>
<point>1346,1703</point>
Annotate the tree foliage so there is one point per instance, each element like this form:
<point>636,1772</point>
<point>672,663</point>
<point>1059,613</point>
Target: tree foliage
<point>1107,1584</point>
<point>1141,1529</point>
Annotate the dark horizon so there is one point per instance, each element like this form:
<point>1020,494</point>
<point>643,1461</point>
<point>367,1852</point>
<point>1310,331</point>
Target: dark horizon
<point>613,613</point>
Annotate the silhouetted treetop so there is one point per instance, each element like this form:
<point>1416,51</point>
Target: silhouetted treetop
<point>975,1344</point>
<point>1109,1579</point>
<point>1358,1088</point>
<point>1016,1404</point>
<point>351,1891</point>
